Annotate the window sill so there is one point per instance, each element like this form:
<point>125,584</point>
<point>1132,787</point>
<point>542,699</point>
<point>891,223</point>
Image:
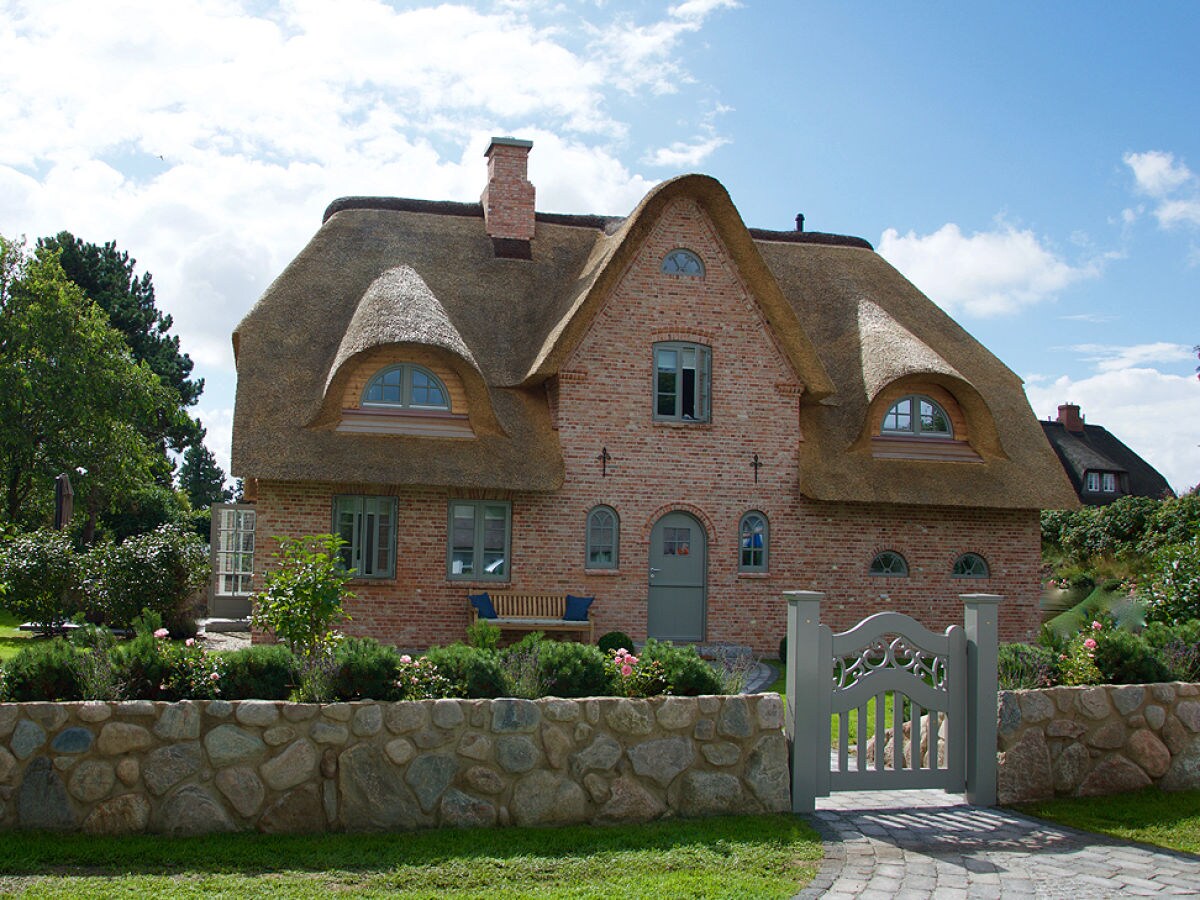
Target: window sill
<point>758,575</point>
<point>677,423</point>
<point>602,572</point>
<point>476,583</point>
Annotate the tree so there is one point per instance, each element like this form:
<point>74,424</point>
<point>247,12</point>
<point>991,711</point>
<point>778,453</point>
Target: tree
<point>72,398</point>
<point>202,479</point>
<point>107,277</point>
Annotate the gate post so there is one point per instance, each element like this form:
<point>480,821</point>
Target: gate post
<point>980,620</point>
<point>804,681</point>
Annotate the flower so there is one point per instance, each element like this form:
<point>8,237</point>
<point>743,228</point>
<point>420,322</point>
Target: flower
<point>1090,644</point>
<point>406,659</point>
<point>1096,626</point>
<point>214,676</point>
<point>627,670</point>
<point>162,633</point>
<point>190,642</point>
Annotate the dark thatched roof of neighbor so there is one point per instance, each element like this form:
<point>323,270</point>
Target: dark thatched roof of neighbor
<point>388,271</point>
<point>1095,449</point>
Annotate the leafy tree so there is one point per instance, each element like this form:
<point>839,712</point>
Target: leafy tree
<point>72,399</point>
<point>202,479</point>
<point>107,276</point>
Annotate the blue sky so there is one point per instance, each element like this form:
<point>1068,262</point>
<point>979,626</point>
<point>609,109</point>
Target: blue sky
<point>1032,167</point>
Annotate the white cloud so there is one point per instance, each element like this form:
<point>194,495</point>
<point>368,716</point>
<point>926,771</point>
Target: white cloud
<point>1152,412</point>
<point>1110,358</point>
<point>684,154</point>
<point>1174,187</point>
<point>986,273</point>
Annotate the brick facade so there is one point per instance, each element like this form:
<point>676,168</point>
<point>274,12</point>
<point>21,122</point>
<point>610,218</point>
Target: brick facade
<point>602,400</point>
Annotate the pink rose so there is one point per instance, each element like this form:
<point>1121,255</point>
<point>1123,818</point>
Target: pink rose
<point>627,670</point>
<point>1090,644</point>
<point>405,658</point>
<point>214,676</point>
<point>1096,626</point>
<point>190,642</point>
<point>632,660</point>
<point>162,633</point>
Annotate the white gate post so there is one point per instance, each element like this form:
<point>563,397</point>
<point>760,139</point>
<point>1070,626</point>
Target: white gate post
<point>980,620</point>
<point>804,681</point>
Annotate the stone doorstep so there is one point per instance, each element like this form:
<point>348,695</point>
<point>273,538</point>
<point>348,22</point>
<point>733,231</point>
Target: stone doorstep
<point>223,626</point>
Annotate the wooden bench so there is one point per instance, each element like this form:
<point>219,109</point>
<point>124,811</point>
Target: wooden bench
<point>534,612</point>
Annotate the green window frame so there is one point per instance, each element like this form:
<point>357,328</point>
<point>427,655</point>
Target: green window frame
<point>603,538</point>
<point>889,564</point>
<point>917,416</point>
<point>971,565</point>
<point>368,527</point>
<point>753,542</point>
<point>479,540</point>
<point>682,381</point>
<point>406,386</point>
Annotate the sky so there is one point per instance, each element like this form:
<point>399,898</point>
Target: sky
<point>1033,167</point>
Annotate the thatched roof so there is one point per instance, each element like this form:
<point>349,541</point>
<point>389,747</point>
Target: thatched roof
<point>1097,449</point>
<point>385,271</point>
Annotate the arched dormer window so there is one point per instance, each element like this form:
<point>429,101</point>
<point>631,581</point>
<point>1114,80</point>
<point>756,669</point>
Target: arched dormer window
<point>603,538</point>
<point>682,262</point>
<point>889,564</point>
<point>917,415</point>
<point>971,565</point>
<point>753,543</point>
<point>406,386</point>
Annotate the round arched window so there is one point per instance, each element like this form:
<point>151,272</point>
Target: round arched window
<point>889,563</point>
<point>406,386</point>
<point>752,542</point>
<point>971,565</point>
<point>917,416</point>
<point>682,262</point>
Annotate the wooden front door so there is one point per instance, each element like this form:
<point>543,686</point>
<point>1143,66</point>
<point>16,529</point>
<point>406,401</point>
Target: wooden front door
<point>678,567</point>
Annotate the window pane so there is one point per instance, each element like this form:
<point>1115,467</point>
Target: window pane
<point>462,546</point>
<point>426,391</point>
<point>899,417</point>
<point>602,538</point>
<point>346,530</point>
<point>933,421</point>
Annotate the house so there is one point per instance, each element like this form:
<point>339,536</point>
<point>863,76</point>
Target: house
<point>676,414</point>
<point>1101,468</point>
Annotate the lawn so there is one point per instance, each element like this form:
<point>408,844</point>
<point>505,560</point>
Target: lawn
<point>12,639</point>
<point>746,856</point>
<point>1151,816</point>
<point>779,686</point>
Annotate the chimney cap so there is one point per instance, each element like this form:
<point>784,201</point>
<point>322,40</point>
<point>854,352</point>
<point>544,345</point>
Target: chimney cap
<point>507,142</point>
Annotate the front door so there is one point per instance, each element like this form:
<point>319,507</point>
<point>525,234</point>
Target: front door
<point>677,579</point>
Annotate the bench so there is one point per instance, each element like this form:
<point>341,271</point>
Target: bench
<point>534,612</point>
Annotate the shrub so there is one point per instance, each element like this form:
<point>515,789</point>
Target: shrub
<point>259,672</point>
<point>483,635</point>
<point>45,670</point>
<point>1178,646</point>
<point>1173,592</point>
<point>634,676</point>
<point>522,667</point>
<point>98,677</point>
<point>1125,658</point>
<point>1022,666</point>
<point>365,669</point>
<point>474,673</point>
<point>573,670</point>
<point>419,679</point>
<point>614,640</point>
<point>158,571</point>
<point>685,671</point>
<point>41,576</point>
<point>152,667</point>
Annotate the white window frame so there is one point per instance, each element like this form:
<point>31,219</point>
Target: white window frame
<point>1092,482</point>
<point>1108,482</point>
<point>701,368</point>
<point>231,537</point>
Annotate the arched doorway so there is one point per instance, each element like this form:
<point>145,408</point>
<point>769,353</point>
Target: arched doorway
<point>678,578</point>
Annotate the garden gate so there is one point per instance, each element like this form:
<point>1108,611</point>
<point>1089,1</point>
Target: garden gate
<point>929,699</point>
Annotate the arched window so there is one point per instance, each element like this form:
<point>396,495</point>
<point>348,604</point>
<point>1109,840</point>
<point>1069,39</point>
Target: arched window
<point>406,386</point>
<point>753,543</point>
<point>603,534</point>
<point>917,416</point>
<point>971,565</point>
<point>889,564</point>
<point>682,262</point>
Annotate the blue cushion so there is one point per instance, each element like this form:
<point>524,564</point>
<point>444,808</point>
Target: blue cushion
<point>577,608</point>
<point>483,605</point>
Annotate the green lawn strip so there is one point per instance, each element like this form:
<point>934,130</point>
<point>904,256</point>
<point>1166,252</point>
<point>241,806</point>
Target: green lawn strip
<point>12,639</point>
<point>745,856</point>
<point>1165,819</point>
<point>779,686</point>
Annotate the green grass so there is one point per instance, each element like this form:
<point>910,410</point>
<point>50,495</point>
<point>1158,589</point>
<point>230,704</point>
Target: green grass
<point>12,639</point>
<point>779,686</point>
<point>1151,816</point>
<point>746,856</point>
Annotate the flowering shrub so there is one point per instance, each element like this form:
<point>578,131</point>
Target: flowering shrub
<point>191,672</point>
<point>40,578</point>
<point>633,677</point>
<point>1172,593</point>
<point>1077,662</point>
<point>419,679</point>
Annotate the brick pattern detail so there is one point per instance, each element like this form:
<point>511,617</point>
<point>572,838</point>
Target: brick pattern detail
<point>509,196</point>
<point>704,468</point>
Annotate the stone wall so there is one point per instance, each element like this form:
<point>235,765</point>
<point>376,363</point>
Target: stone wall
<point>1092,741</point>
<point>206,766</point>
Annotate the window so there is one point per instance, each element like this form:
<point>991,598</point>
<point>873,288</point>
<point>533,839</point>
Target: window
<point>406,386</point>
<point>889,563</point>
<point>971,565</point>
<point>368,526</point>
<point>753,543</point>
<point>1109,481</point>
<point>1093,481</point>
<point>480,534</point>
<point>233,549</point>
<point>917,416</point>
<point>682,262</point>
<point>681,382</point>
<point>602,536</point>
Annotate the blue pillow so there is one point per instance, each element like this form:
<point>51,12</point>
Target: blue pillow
<point>577,608</point>
<point>483,605</point>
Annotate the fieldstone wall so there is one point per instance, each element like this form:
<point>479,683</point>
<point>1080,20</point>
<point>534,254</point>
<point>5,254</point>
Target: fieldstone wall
<point>208,766</point>
<point>1092,741</point>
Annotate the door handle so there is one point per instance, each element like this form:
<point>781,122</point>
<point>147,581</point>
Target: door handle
<point>653,570</point>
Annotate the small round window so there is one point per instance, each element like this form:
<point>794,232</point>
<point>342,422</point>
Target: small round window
<point>971,565</point>
<point>889,563</point>
<point>682,262</point>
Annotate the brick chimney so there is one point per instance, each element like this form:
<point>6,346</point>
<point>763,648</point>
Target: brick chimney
<point>508,198</point>
<point>1068,415</point>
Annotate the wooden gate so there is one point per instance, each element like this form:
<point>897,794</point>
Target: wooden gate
<point>890,705</point>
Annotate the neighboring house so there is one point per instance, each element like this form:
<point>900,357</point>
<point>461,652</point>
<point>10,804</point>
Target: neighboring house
<point>670,412</point>
<point>1100,467</point>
